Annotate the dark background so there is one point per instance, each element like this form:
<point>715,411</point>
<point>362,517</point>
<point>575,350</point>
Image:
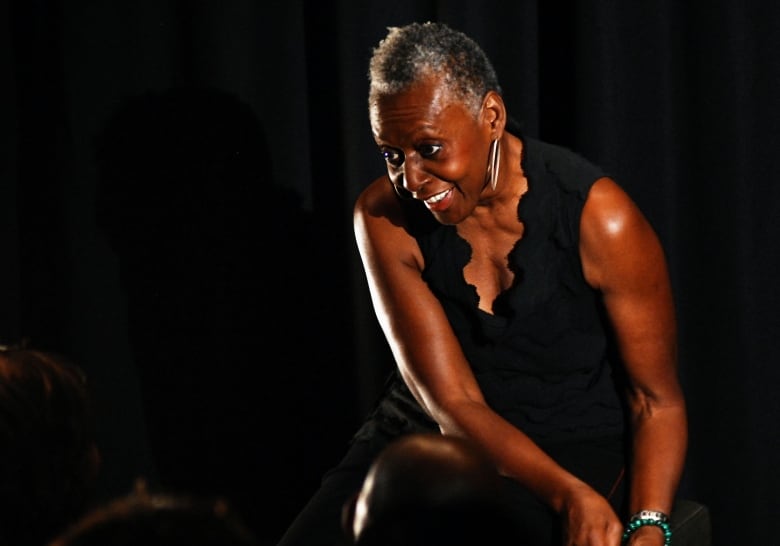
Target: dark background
<point>176,187</point>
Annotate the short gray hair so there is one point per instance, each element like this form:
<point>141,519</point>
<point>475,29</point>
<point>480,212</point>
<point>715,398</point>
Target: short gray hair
<point>410,53</point>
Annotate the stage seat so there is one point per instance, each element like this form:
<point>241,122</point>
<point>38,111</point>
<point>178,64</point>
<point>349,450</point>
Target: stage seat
<point>690,523</point>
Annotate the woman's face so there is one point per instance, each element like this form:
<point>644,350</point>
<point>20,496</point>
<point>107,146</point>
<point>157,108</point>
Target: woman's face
<point>434,147</point>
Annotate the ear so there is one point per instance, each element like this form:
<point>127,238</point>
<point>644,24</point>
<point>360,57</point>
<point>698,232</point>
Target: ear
<point>494,114</point>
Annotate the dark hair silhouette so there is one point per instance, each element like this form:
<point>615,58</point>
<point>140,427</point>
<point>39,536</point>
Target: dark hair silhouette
<point>427,489</point>
<point>159,519</point>
<point>48,458</point>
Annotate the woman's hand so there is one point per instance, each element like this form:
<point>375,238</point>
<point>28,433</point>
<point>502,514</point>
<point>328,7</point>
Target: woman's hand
<point>589,520</point>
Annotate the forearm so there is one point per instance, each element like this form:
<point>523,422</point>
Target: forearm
<point>659,443</point>
<point>515,454</point>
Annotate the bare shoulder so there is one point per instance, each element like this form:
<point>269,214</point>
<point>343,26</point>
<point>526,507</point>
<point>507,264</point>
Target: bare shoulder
<point>375,199</point>
<point>609,211</point>
<point>377,205</point>
<point>615,237</point>
<point>380,226</point>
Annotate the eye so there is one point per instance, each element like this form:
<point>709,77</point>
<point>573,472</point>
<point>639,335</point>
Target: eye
<point>429,150</point>
<point>392,157</point>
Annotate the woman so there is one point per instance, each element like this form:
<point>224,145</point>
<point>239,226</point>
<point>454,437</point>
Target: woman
<point>526,301</point>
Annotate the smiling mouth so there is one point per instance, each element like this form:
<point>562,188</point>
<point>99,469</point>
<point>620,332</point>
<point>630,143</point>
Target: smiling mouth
<point>438,197</point>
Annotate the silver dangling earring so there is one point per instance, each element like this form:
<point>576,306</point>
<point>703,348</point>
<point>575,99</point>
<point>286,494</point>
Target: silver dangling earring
<point>493,163</point>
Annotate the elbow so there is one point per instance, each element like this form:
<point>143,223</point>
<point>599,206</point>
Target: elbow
<point>646,406</point>
<point>452,413</point>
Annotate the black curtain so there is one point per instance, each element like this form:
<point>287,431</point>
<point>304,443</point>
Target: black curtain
<point>215,298</point>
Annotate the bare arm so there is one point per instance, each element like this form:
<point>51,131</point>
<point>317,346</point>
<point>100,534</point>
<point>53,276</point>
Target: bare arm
<point>623,258</point>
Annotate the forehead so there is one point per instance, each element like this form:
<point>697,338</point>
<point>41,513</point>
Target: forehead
<point>425,106</point>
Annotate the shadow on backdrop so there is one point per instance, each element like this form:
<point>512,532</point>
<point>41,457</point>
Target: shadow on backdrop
<point>215,262</point>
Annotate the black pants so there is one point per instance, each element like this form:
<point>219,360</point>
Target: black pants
<point>598,462</point>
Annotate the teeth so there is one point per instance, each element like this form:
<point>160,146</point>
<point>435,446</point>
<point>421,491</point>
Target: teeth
<point>436,198</point>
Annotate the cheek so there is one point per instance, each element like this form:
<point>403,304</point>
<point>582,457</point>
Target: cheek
<point>461,166</point>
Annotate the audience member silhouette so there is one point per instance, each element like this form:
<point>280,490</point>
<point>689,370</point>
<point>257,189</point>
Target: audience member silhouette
<point>425,489</point>
<point>224,293</point>
<point>143,518</point>
<point>49,460</point>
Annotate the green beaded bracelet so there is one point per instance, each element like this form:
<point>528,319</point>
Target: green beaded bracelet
<point>635,524</point>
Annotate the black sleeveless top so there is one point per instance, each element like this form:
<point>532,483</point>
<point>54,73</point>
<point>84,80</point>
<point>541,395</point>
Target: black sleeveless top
<point>543,358</point>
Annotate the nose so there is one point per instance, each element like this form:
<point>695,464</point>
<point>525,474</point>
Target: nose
<point>413,176</point>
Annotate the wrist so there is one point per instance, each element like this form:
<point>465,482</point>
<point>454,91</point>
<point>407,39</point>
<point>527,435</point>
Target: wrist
<point>567,495</point>
<point>648,534</point>
<point>648,518</point>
